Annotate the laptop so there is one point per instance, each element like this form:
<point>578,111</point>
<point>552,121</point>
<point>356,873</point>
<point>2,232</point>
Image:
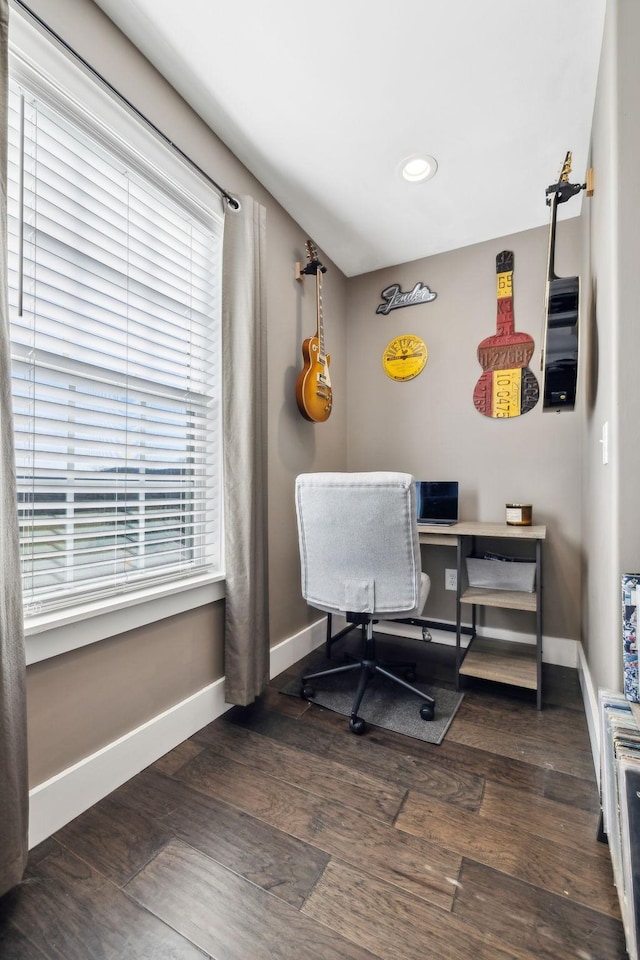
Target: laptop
<point>437,501</point>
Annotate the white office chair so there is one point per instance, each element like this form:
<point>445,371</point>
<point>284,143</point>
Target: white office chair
<point>360,556</point>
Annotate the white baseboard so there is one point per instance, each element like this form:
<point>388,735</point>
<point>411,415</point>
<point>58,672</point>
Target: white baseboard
<point>590,698</point>
<point>299,645</point>
<point>72,791</point>
<point>69,793</point>
<point>558,650</point>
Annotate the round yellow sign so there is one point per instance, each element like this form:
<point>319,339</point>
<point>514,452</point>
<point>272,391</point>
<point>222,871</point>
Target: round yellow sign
<point>404,357</point>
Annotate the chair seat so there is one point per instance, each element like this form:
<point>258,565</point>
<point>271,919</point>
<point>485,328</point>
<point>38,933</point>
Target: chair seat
<point>425,589</point>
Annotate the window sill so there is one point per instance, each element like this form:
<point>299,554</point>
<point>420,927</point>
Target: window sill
<point>49,635</point>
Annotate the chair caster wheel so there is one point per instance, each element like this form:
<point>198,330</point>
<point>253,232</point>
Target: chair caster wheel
<point>307,692</point>
<point>356,725</point>
<point>427,711</point>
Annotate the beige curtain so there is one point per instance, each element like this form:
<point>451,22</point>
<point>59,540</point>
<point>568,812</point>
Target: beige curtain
<point>13,732</point>
<point>244,396</point>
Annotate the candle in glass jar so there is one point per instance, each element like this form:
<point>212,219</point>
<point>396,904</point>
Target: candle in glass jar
<point>518,514</point>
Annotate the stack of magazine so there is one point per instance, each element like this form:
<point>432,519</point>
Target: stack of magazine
<point>620,795</point>
<point>630,586</point>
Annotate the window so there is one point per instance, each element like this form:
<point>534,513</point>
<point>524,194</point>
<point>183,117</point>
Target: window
<point>115,272</point>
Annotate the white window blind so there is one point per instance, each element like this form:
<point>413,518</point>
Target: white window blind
<point>115,331</point>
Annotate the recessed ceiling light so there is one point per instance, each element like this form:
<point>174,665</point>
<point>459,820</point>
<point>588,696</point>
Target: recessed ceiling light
<point>418,167</point>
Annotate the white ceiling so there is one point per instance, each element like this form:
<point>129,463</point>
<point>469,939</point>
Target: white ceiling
<point>321,101</point>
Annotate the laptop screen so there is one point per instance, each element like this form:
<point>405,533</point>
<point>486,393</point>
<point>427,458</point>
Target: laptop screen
<point>437,501</point>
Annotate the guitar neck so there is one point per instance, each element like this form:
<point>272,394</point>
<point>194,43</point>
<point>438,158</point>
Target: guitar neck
<point>504,292</point>
<point>557,193</point>
<point>320,328</point>
<point>551,275</point>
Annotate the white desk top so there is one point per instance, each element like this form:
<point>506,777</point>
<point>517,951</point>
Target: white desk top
<point>475,528</point>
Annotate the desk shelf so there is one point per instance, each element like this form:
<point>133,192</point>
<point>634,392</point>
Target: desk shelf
<point>504,661</point>
<point>506,599</point>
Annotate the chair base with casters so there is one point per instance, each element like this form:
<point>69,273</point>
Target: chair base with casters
<point>368,667</point>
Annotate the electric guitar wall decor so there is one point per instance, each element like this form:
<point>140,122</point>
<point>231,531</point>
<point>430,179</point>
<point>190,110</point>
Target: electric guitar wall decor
<point>507,388</point>
<point>313,387</point>
<point>559,358</point>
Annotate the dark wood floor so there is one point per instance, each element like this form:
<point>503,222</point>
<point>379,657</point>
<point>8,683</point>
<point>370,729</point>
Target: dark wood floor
<point>276,833</point>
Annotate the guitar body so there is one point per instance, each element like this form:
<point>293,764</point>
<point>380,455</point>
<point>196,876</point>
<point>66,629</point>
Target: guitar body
<point>559,360</point>
<point>507,388</point>
<point>313,386</point>
<point>561,348</point>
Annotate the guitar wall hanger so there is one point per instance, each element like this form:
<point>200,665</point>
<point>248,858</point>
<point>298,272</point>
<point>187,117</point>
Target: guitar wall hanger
<point>564,191</point>
<point>310,269</point>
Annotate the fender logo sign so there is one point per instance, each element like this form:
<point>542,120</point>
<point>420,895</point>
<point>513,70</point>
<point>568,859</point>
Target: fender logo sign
<point>395,298</point>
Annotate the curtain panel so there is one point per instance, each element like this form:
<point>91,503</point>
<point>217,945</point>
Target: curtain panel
<point>246,646</point>
<point>14,796</point>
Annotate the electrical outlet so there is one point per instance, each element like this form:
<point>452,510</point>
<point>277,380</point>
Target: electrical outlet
<point>451,579</point>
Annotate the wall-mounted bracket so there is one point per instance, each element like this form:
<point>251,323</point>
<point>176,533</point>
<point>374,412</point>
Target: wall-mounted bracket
<point>590,181</point>
<point>309,269</point>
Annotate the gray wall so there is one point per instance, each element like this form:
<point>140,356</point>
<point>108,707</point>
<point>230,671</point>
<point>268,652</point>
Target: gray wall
<point>143,673</point>
<point>430,427</point>
<point>611,505</point>
<point>87,698</point>
<point>600,482</point>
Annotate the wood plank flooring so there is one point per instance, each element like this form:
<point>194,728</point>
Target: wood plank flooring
<point>276,833</point>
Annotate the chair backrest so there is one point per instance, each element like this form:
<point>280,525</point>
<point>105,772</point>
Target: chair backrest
<point>358,536</point>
